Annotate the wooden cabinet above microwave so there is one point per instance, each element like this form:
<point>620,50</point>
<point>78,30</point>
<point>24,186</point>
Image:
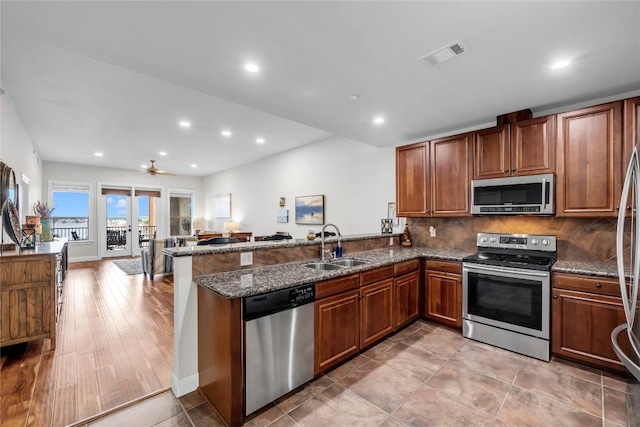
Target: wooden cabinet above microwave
<point>526,147</point>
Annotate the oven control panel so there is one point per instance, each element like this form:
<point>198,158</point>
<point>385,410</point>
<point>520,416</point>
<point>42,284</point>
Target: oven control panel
<point>517,241</point>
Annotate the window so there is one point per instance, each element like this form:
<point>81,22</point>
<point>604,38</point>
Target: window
<point>71,214</point>
<point>180,213</point>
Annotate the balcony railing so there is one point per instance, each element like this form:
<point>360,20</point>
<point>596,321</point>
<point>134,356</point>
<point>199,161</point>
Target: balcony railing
<point>116,237</point>
<point>146,233</point>
<point>77,228</point>
<point>73,228</point>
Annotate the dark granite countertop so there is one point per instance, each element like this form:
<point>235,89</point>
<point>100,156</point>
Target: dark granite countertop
<point>248,282</point>
<point>273,244</point>
<point>244,283</point>
<point>598,269</point>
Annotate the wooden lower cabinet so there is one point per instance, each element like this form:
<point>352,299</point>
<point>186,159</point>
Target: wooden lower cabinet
<point>27,299</point>
<point>406,298</point>
<point>337,335</point>
<point>584,312</point>
<point>376,307</point>
<point>443,293</point>
<point>353,313</point>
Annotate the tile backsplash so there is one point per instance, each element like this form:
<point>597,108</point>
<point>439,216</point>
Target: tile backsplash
<point>580,239</point>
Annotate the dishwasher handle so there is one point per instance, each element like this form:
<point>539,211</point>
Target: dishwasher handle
<point>262,305</point>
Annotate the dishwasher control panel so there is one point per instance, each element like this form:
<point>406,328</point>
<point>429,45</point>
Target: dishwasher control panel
<point>265,304</point>
<point>302,294</point>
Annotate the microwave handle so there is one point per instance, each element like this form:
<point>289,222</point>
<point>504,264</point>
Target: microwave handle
<point>544,193</point>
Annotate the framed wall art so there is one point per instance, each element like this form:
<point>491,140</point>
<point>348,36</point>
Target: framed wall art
<point>310,210</point>
<point>283,215</point>
<point>223,205</point>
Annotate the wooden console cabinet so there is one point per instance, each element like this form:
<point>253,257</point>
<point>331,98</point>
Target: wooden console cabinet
<point>30,282</point>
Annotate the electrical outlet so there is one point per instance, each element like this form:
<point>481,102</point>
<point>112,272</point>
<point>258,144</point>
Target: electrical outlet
<point>432,231</point>
<point>390,241</point>
<point>246,258</point>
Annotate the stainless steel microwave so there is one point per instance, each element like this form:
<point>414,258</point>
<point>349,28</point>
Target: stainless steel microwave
<point>528,195</point>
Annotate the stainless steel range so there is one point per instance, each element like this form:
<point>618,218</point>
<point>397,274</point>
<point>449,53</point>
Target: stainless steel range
<point>506,289</point>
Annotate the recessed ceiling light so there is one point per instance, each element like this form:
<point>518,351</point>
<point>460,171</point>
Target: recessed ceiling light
<point>185,124</point>
<point>378,120</point>
<point>560,64</point>
<point>98,154</point>
<point>252,68</point>
<point>354,97</point>
<point>226,133</point>
<point>163,153</point>
<point>260,140</point>
<point>144,166</point>
<point>193,165</point>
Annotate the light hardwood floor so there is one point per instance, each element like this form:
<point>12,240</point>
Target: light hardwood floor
<point>115,344</point>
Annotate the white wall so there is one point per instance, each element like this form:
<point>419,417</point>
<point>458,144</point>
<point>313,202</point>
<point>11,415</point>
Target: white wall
<point>97,176</point>
<point>18,152</point>
<point>357,180</point>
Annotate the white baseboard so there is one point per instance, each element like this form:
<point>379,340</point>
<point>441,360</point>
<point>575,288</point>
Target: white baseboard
<point>184,385</point>
<point>85,258</point>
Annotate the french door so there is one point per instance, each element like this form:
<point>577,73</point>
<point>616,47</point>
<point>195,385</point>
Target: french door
<point>117,230</point>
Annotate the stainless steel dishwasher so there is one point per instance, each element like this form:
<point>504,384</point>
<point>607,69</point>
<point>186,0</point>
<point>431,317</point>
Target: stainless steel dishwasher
<point>278,343</point>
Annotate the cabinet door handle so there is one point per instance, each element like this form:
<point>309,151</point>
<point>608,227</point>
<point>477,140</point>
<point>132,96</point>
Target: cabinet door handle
<point>598,285</point>
<point>555,297</point>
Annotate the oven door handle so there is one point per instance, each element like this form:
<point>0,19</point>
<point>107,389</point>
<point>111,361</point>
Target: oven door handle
<point>498,269</point>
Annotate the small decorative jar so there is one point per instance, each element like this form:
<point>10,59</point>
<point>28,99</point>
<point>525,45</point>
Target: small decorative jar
<point>311,235</point>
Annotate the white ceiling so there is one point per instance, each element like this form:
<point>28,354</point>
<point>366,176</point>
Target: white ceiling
<point>117,77</point>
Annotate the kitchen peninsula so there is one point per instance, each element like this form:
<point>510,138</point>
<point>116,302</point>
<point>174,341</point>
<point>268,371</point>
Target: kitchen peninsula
<point>210,285</point>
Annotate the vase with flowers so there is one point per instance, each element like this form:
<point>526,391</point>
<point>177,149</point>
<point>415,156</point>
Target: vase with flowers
<point>45,213</point>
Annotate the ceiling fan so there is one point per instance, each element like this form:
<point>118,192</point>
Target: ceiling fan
<point>153,170</point>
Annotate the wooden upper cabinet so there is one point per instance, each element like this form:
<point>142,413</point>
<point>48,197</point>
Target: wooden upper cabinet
<point>492,153</point>
<point>411,179</point>
<point>450,175</point>
<point>589,162</point>
<point>523,148</point>
<point>631,129</point>
<point>533,146</point>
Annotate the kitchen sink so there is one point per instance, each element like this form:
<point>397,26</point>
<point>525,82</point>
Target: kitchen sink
<point>349,262</point>
<point>323,266</point>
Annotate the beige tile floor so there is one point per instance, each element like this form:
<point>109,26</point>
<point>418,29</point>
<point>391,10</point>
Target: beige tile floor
<point>425,375</point>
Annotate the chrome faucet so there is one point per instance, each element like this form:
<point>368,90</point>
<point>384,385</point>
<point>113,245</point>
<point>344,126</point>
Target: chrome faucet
<point>322,237</point>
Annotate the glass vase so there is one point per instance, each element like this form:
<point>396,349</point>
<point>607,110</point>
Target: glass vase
<point>46,235</point>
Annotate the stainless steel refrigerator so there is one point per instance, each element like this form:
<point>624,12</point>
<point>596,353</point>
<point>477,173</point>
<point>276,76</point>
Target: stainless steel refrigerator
<point>628,252</point>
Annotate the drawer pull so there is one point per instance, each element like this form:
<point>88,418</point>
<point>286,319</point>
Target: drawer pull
<point>555,296</point>
<point>598,285</point>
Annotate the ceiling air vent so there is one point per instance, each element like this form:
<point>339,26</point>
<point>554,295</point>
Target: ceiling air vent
<point>445,53</point>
